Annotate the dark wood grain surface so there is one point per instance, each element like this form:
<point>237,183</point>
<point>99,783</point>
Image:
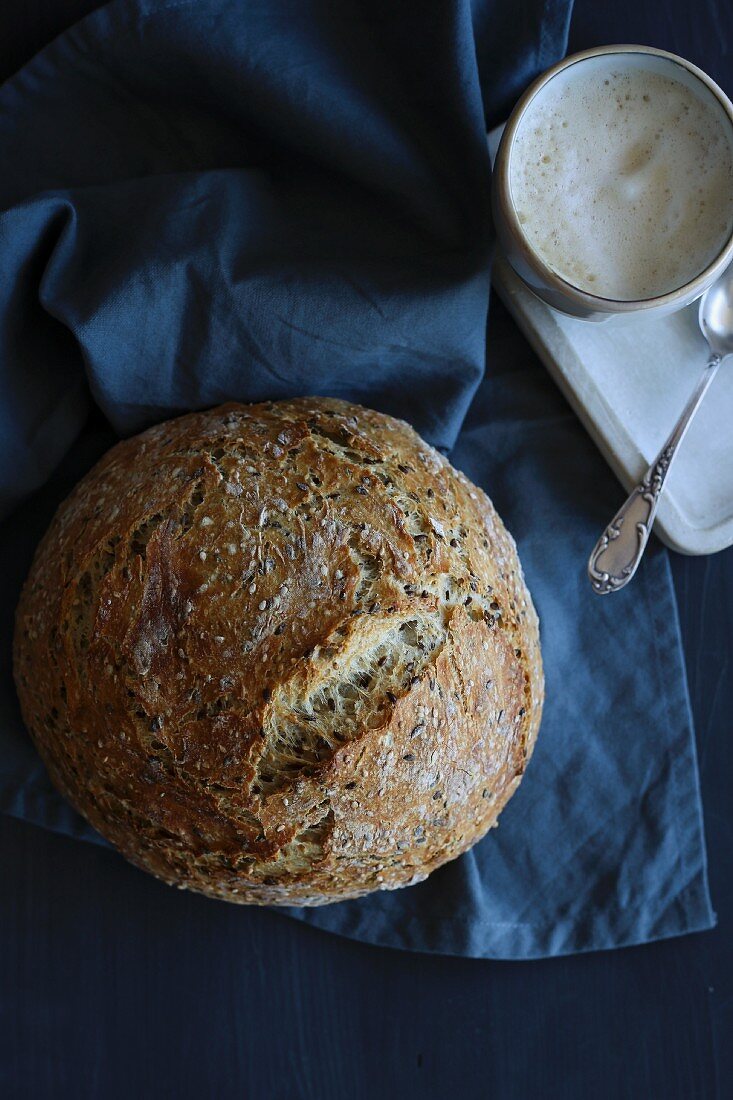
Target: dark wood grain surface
<point>112,985</point>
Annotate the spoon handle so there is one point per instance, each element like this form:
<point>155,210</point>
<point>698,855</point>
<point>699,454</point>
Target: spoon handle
<point>617,553</point>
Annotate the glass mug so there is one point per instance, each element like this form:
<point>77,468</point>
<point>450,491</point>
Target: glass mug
<point>532,268</point>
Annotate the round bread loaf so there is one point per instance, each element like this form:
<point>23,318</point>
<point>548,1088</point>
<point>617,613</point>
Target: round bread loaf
<point>281,653</point>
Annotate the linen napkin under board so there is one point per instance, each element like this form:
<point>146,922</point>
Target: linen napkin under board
<point>224,200</point>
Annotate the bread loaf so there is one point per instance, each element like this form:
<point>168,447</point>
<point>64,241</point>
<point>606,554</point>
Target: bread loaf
<point>281,653</point>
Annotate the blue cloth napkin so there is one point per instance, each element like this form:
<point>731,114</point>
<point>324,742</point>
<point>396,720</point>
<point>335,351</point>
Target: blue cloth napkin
<point>216,199</point>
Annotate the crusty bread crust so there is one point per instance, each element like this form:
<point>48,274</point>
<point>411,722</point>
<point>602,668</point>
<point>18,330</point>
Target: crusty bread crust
<point>281,653</point>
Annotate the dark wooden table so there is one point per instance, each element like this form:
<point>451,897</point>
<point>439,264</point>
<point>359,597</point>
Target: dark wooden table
<point>112,985</point>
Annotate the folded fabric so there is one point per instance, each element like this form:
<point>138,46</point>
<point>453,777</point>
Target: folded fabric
<point>216,200</point>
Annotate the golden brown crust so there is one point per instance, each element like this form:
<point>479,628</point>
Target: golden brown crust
<point>281,653</point>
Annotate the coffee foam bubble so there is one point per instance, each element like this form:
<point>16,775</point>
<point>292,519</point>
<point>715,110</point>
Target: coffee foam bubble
<point>622,179</point>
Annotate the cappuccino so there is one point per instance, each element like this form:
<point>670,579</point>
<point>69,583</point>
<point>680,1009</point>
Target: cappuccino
<point>622,177</point>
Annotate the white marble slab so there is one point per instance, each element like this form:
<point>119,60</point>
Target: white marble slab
<point>628,380</point>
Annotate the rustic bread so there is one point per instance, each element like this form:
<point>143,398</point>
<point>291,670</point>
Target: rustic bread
<point>281,653</point>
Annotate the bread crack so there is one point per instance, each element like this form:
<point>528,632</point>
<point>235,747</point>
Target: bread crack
<point>344,690</point>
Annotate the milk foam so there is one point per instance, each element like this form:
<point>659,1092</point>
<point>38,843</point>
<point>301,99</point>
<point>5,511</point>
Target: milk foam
<point>622,179</point>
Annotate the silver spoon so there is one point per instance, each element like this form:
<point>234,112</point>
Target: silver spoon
<point>617,553</point>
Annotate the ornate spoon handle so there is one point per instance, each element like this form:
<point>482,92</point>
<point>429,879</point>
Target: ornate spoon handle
<point>617,553</point>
